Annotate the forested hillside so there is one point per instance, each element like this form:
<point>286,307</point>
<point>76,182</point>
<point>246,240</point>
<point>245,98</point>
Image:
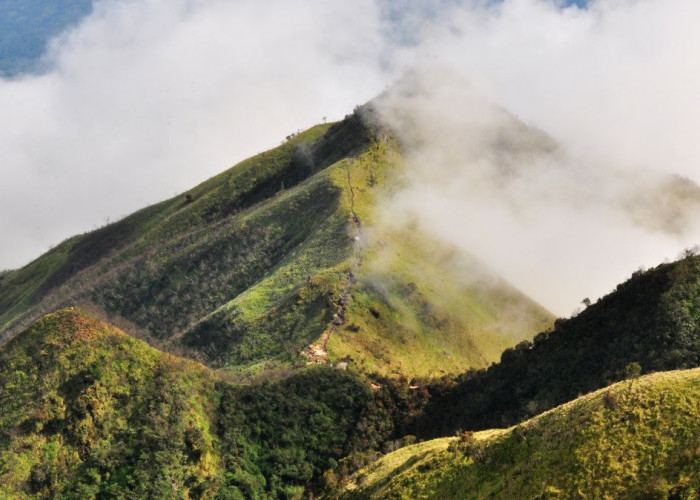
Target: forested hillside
<point>89,411</point>
<point>649,323</point>
<point>635,439</point>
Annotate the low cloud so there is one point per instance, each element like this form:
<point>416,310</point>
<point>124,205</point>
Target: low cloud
<point>553,144</point>
<point>148,97</point>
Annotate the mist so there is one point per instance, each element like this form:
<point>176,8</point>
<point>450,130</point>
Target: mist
<point>555,145</point>
<point>542,139</point>
<point>147,98</point>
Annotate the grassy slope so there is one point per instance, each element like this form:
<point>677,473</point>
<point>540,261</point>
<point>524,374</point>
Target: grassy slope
<point>635,439</point>
<point>179,247</point>
<point>418,306</point>
<point>250,267</point>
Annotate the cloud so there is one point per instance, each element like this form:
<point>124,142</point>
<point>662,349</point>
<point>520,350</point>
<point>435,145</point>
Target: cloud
<point>149,97</point>
<point>572,203</point>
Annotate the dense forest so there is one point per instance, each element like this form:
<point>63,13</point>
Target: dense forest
<point>89,411</point>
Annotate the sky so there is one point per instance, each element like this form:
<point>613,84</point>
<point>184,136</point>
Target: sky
<point>146,98</point>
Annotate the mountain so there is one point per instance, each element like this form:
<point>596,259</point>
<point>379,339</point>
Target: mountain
<point>324,328</point>
<point>89,410</point>
<point>649,323</point>
<point>26,26</point>
<point>283,260</point>
<point>635,439</point>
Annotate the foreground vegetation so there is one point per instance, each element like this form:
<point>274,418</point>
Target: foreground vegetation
<point>89,411</point>
<point>635,439</point>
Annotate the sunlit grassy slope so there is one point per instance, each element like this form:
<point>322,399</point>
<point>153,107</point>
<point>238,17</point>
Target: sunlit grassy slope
<point>635,439</point>
<point>285,259</point>
<point>418,306</point>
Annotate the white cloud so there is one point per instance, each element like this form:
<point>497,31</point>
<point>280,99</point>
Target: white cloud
<point>618,86</point>
<point>148,97</point>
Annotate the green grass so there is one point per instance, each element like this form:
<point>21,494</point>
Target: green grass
<point>635,439</point>
<point>419,307</point>
<point>177,237</point>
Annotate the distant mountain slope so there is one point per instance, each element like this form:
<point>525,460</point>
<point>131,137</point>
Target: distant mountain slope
<point>649,323</point>
<point>285,259</point>
<point>636,439</point>
<point>26,26</point>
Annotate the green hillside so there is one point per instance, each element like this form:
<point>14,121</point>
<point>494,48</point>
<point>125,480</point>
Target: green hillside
<point>635,439</point>
<point>649,323</point>
<point>281,261</point>
<point>88,411</point>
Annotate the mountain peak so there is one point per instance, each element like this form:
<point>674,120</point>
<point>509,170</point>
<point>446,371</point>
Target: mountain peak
<point>288,253</point>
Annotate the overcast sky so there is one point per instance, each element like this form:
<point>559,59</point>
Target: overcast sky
<point>148,97</point>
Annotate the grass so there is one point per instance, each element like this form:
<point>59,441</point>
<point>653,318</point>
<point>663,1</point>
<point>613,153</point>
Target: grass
<point>635,439</point>
<point>419,307</point>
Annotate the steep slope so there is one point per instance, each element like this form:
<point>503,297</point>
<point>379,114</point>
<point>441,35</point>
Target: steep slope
<point>636,439</point>
<point>88,411</point>
<point>284,259</point>
<point>649,323</point>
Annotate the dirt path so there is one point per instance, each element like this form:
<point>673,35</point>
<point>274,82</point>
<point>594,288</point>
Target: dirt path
<point>318,352</point>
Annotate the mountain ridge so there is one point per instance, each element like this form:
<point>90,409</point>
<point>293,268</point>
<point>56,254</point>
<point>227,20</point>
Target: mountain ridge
<point>256,267</point>
<point>649,323</point>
